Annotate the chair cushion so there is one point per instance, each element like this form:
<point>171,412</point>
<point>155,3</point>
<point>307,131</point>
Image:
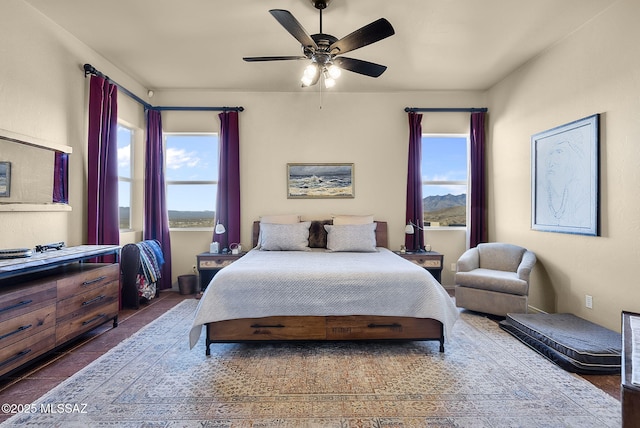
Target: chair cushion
<point>499,256</point>
<point>493,280</point>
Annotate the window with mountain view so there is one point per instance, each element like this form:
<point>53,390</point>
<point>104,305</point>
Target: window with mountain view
<point>445,179</point>
<point>125,174</point>
<point>191,177</point>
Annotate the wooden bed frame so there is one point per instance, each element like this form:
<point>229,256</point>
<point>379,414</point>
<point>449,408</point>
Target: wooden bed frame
<point>352,327</point>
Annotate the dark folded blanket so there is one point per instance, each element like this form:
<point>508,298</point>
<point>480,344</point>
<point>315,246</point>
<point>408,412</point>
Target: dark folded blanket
<point>575,344</point>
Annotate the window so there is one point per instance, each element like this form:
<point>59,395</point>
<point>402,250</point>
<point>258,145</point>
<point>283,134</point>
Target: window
<point>125,175</point>
<point>445,175</point>
<point>191,177</point>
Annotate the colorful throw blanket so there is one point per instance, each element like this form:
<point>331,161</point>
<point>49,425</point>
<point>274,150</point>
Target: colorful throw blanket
<point>151,260</point>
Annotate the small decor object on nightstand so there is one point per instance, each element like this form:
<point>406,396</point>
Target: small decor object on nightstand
<point>410,229</point>
<point>215,246</point>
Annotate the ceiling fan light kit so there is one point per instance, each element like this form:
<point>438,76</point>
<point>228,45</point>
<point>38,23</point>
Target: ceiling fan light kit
<point>323,50</point>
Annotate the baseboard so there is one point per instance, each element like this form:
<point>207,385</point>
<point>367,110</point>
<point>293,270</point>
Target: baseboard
<point>534,310</point>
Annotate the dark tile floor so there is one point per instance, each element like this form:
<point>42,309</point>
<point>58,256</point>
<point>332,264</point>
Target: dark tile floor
<point>35,380</point>
<point>32,382</point>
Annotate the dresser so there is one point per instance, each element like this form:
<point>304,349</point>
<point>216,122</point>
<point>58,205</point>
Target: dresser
<point>51,298</point>
<point>630,388</point>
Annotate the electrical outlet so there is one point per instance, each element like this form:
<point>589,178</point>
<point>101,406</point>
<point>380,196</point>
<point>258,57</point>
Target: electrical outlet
<point>194,269</point>
<point>588,301</point>
<point>454,267</point>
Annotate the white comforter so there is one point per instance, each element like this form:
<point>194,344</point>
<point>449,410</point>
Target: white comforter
<point>270,283</point>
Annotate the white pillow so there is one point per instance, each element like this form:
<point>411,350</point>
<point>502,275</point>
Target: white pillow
<point>284,237</point>
<point>340,220</point>
<point>277,219</point>
<point>352,237</point>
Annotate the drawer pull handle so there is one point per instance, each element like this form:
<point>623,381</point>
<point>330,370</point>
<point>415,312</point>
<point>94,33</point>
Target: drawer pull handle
<point>94,300</point>
<point>266,326</point>
<point>17,305</point>
<point>15,357</point>
<point>94,319</point>
<point>17,330</point>
<point>93,281</point>
<point>394,325</point>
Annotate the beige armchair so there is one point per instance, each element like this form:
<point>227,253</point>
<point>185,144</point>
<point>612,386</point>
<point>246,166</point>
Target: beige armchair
<point>494,278</point>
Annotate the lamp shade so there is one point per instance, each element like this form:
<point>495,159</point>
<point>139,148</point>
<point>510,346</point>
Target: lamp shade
<point>220,229</point>
<point>408,229</point>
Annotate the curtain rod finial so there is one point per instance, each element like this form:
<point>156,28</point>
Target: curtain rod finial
<point>88,69</point>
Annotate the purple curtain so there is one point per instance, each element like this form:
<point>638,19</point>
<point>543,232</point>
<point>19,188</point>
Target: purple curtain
<point>228,195</point>
<point>61,178</point>
<point>414,183</point>
<point>156,216</point>
<point>478,230</point>
<point>102,181</point>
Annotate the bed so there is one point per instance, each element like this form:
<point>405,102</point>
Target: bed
<point>324,287</point>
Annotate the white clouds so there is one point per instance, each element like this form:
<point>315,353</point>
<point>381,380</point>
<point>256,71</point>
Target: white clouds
<point>124,156</point>
<point>180,158</point>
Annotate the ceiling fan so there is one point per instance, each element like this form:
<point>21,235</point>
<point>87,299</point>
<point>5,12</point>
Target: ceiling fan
<point>325,51</point>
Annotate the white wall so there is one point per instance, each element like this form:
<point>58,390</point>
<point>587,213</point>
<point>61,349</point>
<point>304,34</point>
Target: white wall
<point>594,70</point>
<point>367,129</point>
<point>43,94</point>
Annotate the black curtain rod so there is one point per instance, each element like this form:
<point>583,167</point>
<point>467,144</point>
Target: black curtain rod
<point>89,69</point>
<point>446,110</point>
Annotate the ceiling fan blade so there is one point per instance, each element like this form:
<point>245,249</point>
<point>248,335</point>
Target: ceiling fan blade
<point>371,33</point>
<point>272,58</point>
<point>359,66</point>
<point>291,24</point>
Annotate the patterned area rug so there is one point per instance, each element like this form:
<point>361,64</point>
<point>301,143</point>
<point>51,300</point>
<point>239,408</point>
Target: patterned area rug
<point>486,378</point>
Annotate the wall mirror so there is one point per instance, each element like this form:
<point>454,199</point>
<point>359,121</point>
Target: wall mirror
<point>33,174</point>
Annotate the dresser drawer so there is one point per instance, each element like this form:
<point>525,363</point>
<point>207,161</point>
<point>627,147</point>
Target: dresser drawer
<point>89,277</point>
<point>427,262</point>
<point>215,263</point>
<point>86,302</point>
<point>16,329</point>
<point>270,328</point>
<point>84,320</point>
<point>379,327</point>
<point>20,301</point>
<point>25,350</point>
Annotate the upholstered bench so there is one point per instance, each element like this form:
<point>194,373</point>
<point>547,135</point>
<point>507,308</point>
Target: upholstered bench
<point>573,343</point>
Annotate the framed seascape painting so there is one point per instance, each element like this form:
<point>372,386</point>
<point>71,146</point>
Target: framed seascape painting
<point>564,178</point>
<point>320,180</point>
<point>5,179</point>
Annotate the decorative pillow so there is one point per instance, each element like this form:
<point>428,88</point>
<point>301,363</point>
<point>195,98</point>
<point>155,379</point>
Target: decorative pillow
<point>352,237</point>
<point>317,234</point>
<point>340,220</point>
<point>280,219</point>
<point>277,219</point>
<point>284,237</point>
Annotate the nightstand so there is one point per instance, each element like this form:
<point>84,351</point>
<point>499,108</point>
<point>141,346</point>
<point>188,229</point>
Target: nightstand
<point>210,263</point>
<point>430,260</point>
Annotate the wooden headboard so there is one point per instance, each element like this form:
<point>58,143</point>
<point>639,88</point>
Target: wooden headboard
<point>318,236</point>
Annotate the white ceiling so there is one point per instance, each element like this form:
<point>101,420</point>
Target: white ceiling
<point>199,44</point>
